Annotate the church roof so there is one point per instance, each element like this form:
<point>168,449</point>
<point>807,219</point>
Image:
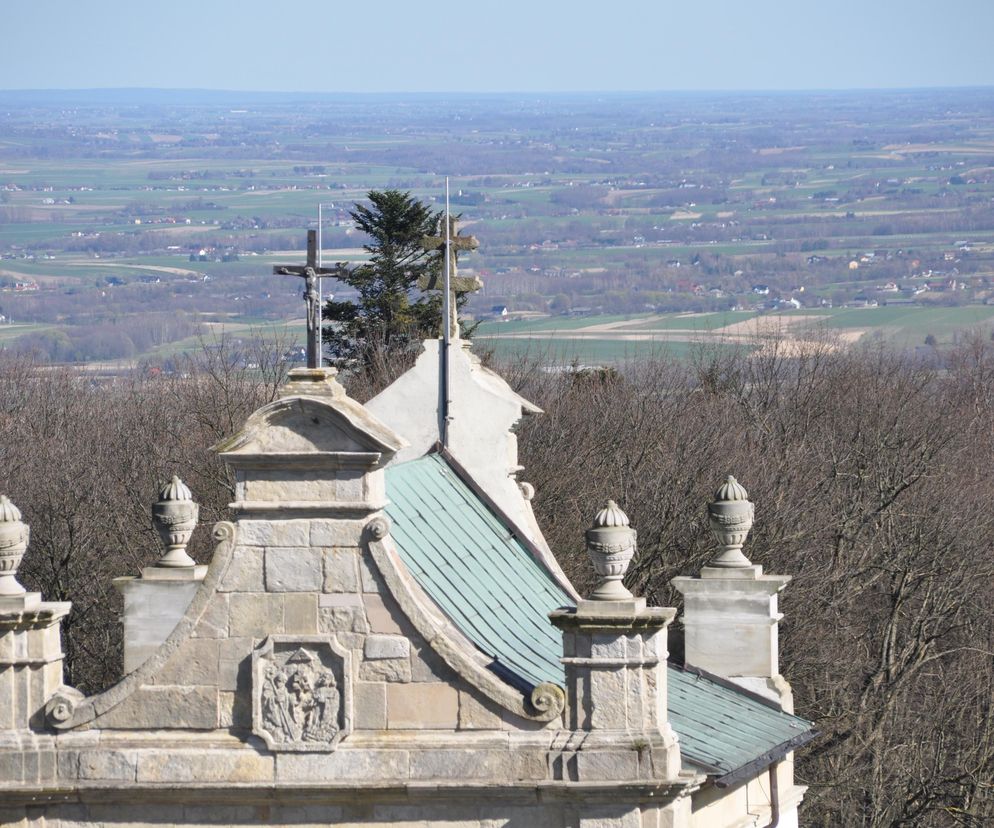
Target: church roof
<point>483,576</point>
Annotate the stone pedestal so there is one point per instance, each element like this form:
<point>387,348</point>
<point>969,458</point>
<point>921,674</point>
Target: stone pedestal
<point>30,658</point>
<point>730,622</point>
<point>153,605</point>
<point>615,653</point>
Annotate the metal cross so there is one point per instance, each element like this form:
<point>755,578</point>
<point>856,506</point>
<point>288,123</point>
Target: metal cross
<point>310,273</point>
<point>457,284</point>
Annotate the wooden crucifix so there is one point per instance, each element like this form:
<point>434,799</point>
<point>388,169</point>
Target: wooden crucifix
<point>457,284</point>
<point>310,273</point>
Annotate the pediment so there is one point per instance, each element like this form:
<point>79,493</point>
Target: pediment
<point>311,425</point>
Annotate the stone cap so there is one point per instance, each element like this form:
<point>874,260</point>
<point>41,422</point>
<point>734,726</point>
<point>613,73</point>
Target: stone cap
<point>648,618</point>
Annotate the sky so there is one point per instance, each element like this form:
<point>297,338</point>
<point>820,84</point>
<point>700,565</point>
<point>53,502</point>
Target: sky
<point>508,46</point>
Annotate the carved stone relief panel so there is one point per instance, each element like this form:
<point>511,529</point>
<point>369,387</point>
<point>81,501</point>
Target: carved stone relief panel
<point>301,693</point>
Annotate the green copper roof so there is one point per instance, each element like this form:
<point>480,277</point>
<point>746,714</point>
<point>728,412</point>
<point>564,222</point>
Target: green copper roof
<point>486,580</point>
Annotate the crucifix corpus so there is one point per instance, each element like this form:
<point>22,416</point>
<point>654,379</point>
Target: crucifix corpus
<point>457,283</point>
<point>310,273</point>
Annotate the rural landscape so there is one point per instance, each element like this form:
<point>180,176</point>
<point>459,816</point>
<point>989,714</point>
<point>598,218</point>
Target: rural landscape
<point>133,225</point>
<point>797,288</point>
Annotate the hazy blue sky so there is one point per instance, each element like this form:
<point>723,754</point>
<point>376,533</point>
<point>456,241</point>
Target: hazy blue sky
<point>513,45</point>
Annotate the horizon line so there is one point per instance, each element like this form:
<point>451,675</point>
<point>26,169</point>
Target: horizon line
<point>383,93</point>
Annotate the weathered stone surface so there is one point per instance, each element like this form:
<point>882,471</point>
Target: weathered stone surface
<point>301,693</point>
<point>607,765</point>
<point>342,613</point>
<point>151,611</point>
<point>154,708</point>
<point>388,669</point>
<point>610,816</point>
<point>383,618</point>
<point>386,646</point>
<point>341,569</point>
<point>477,714</point>
<point>337,533</point>
<point>194,662</point>
<point>244,573</point>
<point>214,622</point>
<point>427,665</point>
<point>300,613</point>
<point>254,615</point>
<point>297,569</point>
<point>235,710</point>
<point>344,764</point>
<point>118,765</point>
<point>424,705</point>
<point>244,765</point>
<point>495,766</point>
<point>274,532</point>
<point>369,577</point>
<point>370,702</point>
<point>235,663</point>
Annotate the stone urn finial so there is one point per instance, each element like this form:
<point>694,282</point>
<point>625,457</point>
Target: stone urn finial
<point>14,537</point>
<point>730,519</point>
<point>611,545</point>
<point>175,517</point>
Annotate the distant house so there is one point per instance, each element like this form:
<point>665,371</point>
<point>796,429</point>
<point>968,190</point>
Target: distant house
<point>761,290</point>
<point>499,311</point>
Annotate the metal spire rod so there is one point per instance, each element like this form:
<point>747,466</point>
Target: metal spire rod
<point>446,333</point>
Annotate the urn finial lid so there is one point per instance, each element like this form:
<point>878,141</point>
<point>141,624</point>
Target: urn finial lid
<point>175,489</point>
<point>731,490</point>
<point>9,513</point>
<point>610,515</point>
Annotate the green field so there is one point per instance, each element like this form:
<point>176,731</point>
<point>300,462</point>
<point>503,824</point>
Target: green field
<point>565,339</point>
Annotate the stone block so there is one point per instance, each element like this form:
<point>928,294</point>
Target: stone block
<point>610,816</point>
<point>338,533</point>
<point>254,615</point>
<point>427,705</point>
<point>386,646</point>
<point>195,662</point>
<point>235,710</point>
<point>607,765</point>
<point>477,714</point>
<point>300,613</point>
<point>12,766</point>
<point>427,665</point>
<point>279,485</point>
<point>608,700</point>
<point>369,701</point>
<point>307,816</point>
<point>293,569</point>
<point>151,611</point>
<point>116,765</point>
<point>234,766</point>
<point>608,646</point>
<point>274,533</point>
<point>369,576</point>
<point>67,764</point>
<point>342,613</point>
<point>244,573</point>
<point>164,708</point>
<point>235,664</point>
<point>493,765</point>
<point>341,569</point>
<point>387,669</point>
<point>383,617</point>
<point>345,764</point>
<point>214,622</point>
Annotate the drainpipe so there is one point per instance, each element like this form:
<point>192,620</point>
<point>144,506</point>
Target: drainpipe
<point>774,797</point>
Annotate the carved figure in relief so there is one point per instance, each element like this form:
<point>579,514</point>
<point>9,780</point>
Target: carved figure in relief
<point>322,724</point>
<point>300,702</point>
